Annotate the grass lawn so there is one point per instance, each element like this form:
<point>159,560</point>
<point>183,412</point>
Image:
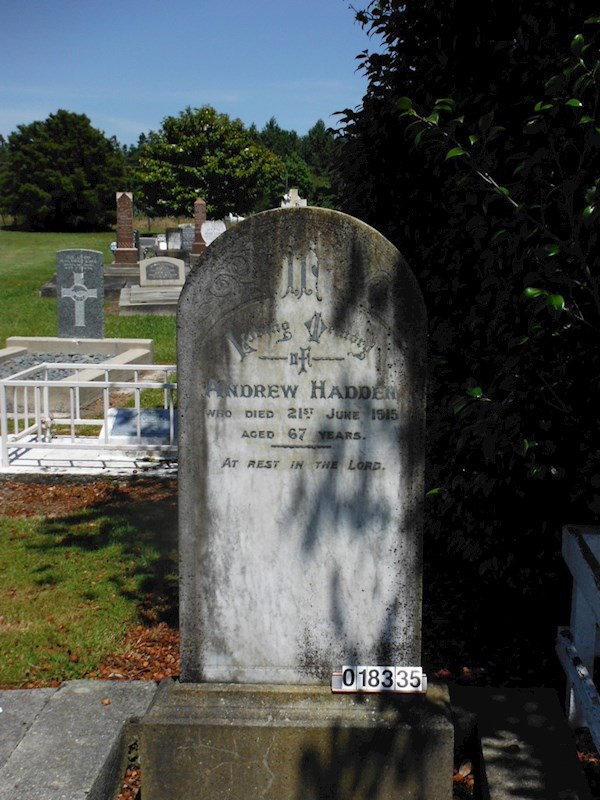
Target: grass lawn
<point>27,262</point>
<point>72,584</point>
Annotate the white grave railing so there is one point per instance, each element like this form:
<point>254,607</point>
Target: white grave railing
<point>578,645</point>
<point>28,422</point>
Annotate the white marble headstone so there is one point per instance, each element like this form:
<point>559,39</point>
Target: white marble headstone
<point>301,373</point>
<point>211,229</point>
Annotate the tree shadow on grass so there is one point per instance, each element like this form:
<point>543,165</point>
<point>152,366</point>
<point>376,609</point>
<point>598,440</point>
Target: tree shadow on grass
<point>144,528</point>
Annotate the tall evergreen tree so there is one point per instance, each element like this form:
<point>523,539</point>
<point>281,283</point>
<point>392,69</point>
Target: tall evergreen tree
<point>477,150</point>
<point>201,153</point>
<point>62,174</point>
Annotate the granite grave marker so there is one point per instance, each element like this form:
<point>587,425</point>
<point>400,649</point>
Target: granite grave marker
<point>80,294</point>
<point>187,236</point>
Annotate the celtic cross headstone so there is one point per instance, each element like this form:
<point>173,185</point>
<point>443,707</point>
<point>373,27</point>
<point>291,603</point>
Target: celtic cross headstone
<point>80,294</point>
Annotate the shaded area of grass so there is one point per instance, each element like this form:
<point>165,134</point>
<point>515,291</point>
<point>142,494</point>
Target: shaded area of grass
<point>70,586</point>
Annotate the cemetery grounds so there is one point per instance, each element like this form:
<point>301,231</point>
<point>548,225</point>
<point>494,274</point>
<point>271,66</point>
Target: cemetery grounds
<point>88,570</point>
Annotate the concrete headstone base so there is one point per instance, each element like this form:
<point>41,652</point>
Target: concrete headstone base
<point>161,302</point>
<point>234,741</point>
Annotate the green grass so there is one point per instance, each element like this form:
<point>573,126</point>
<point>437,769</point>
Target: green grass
<point>27,262</point>
<point>70,586</point>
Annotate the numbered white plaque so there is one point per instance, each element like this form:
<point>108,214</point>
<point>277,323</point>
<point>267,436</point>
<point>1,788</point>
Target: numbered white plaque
<point>406,680</point>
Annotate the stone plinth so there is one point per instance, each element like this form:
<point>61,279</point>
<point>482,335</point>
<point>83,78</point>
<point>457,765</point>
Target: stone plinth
<point>126,255</point>
<point>224,742</point>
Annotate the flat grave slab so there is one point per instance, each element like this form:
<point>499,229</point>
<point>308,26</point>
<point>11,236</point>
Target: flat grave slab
<point>154,426</point>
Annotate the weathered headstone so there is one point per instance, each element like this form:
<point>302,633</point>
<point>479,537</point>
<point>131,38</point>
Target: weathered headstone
<point>162,271</point>
<point>301,381</point>
<point>127,251</point>
<point>161,281</point>
<point>80,294</point>
<point>173,238</point>
<point>187,236</point>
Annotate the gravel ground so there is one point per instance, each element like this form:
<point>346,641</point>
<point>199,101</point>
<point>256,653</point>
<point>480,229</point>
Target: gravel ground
<point>21,362</point>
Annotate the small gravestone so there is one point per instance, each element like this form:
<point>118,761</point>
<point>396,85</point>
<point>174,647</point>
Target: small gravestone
<point>187,237</point>
<point>173,238</point>
<point>212,229</point>
<point>161,281</point>
<point>301,386</point>
<point>80,294</point>
<point>162,271</point>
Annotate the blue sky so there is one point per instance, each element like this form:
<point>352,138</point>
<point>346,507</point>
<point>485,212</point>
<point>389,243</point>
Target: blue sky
<point>128,64</point>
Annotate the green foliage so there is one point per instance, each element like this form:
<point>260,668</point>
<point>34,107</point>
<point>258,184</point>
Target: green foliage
<point>202,153</point>
<point>61,174</point>
<point>279,141</point>
<point>477,150</point>
<point>309,161</point>
<point>319,150</point>
<point>298,174</point>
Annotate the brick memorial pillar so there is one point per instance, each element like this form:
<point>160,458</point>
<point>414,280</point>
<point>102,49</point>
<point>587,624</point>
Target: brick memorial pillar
<point>199,245</point>
<point>126,252</point>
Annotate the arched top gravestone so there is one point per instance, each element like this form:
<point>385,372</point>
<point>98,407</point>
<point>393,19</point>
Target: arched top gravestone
<point>301,374</point>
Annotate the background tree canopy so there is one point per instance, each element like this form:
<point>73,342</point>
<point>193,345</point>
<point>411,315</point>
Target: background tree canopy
<point>309,161</point>
<point>61,174</point>
<point>202,153</point>
<point>477,151</point>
